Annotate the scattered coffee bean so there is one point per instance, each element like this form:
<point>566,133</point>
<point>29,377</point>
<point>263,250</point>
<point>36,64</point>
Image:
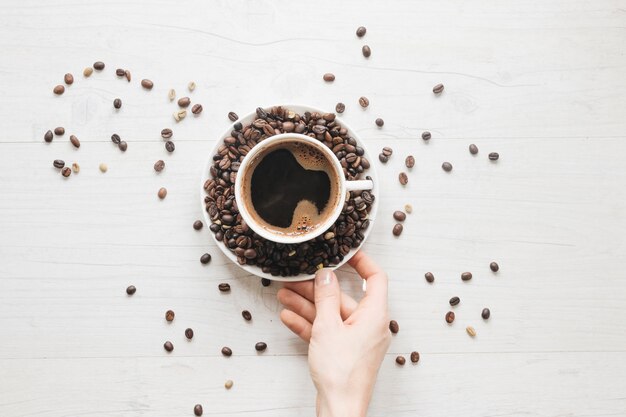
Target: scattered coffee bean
<point>58,163</point>
<point>486,313</point>
<point>228,384</point>
<point>197,225</point>
<point>58,90</point>
<point>360,32</point>
<point>197,410</point>
<point>383,158</point>
<point>226,351</point>
<point>171,94</point>
<point>328,77</point>
<point>397,229</point>
<point>205,259</point>
<point>69,79</point>
<point>394,327</point>
<point>438,89</point>
<point>48,136</point>
<point>364,102</point>
<point>131,289</point>
<point>98,65</point>
<point>87,72</point>
<point>166,133</point>
<point>224,287</point>
<point>162,193</point>
<point>455,301</point>
<point>159,165</point>
<point>117,103</point>
<point>367,51</point>
<point>147,84</point>
<point>387,151</point>
<point>123,146</point>
<point>232,116</point>
<point>180,115</point>
<point>115,138</point>
<point>379,122</point>
<point>103,167</point>
<point>415,357</point>
<point>449,317</point>
<point>471,331</point>
<point>191,86</point>
<point>473,149</point>
<point>127,75</point>
<point>260,346</point>
<point>426,135</point>
<point>74,140</point>
<point>196,109</point>
<point>400,360</point>
<point>494,267</point>
<point>466,276</point>
<point>59,131</point>
<point>184,102</point>
<point>266,282</point>
<point>189,333</point>
<point>409,161</point>
<point>403,178</point>
<point>75,167</point>
<point>399,216</point>
<point>446,166</point>
<point>494,156</point>
<point>408,208</point>
<point>340,107</point>
<point>246,315</point>
<point>429,277</point>
<point>169,146</point>
<point>119,72</point>
<point>169,315</point>
<point>168,346</point>
<point>66,172</point>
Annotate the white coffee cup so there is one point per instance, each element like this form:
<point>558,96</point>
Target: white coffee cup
<point>344,187</point>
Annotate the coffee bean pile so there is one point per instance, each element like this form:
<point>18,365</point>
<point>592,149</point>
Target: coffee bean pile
<point>276,258</point>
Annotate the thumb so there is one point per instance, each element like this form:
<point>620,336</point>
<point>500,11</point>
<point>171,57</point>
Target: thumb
<point>327,295</point>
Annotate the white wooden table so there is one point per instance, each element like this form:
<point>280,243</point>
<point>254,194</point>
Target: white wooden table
<point>541,82</point>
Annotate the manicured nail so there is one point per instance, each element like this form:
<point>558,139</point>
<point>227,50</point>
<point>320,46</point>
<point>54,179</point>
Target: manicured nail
<point>323,276</point>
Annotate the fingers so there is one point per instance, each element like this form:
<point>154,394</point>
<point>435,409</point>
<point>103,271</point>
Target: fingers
<point>327,297</point>
<point>297,303</point>
<point>307,290</point>
<point>376,278</point>
<point>297,324</point>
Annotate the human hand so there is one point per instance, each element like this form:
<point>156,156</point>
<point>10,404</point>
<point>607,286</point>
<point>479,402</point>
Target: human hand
<point>347,340</point>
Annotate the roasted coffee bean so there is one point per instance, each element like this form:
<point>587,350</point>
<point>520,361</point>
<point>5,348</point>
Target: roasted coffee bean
<point>438,89</point>
<point>123,146</point>
<point>189,333</point>
<point>196,109</point>
<point>340,107</point>
<point>98,65</point>
<point>394,327</point>
<point>162,193</point>
<point>387,151</point>
<point>159,165</point>
<point>232,116</point>
<point>397,229</point>
<point>383,158</point>
<point>454,301</point>
<point>58,163</point>
<point>169,315</point>
<point>166,133</point>
<point>117,103</point>
<point>191,86</point>
<point>449,317</point>
<point>58,90</point>
<point>224,287</point>
<point>494,266</point>
<point>471,331</point>
<point>69,79</point>
<point>103,167</point>
<point>119,72</point>
<point>226,351</point>
<point>486,313</point>
<point>127,75</point>
<point>403,178</point>
<point>360,32</point>
<point>169,146</point>
<point>131,289</point>
<point>184,102</point>
<point>74,140</point>
<point>380,122</point>
<point>205,259</point>
<point>260,346</point>
<point>494,156</point>
<point>171,94</point>
<point>197,410</point>
<point>328,77</point>
<point>446,166</point>
<point>197,225</point>
<point>147,84</point>
<point>266,282</point>
<point>415,357</point>
<point>246,315</point>
<point>426,135</point>
<point>75,167</point>
<point>115,138</point>
<point>429,277</point>
<point>250,253</point>
<point>168,346</point>
<point>87,72</point>
<point>364,102</point>
<point>408,208</point>
<point>228,384</point>
<point>473,149</point>
<point>66,172</point>
<point>399,216</point>
<point>400,360</point>
<point>409,161</point>
<point>367,51</point>
<point>466,276</point>
<point>48,136</point>
<point>59,131</point>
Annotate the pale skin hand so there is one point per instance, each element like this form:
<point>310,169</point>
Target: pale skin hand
<point>347,340</point>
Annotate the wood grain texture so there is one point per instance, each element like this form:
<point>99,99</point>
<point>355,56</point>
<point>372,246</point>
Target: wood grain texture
<point>539,82</point>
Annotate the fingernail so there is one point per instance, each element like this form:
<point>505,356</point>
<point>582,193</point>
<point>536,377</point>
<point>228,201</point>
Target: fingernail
<point>323,276</point>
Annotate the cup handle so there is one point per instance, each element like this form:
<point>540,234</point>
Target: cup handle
<point>359,185</point>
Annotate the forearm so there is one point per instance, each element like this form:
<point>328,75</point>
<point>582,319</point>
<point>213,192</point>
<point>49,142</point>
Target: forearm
<point>341,405</point>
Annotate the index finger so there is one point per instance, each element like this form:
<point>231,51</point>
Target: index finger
<point>373,274</point>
